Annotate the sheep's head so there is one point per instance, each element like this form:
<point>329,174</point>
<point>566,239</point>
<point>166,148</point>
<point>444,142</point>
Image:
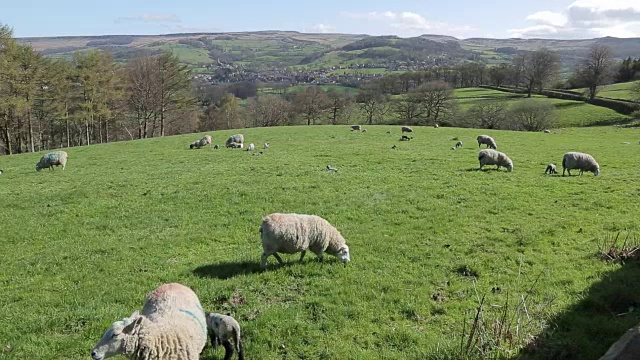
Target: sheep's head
<point>343,254</point>
<point>114,339</point>
<point>509,167</point>
<point>39,166</point>
<point>596,172</point>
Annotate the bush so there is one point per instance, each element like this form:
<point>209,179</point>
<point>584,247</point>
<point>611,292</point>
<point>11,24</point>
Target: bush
<point>532,115</point>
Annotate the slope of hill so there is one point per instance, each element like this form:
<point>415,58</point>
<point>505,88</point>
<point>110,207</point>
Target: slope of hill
<point>429,236</point>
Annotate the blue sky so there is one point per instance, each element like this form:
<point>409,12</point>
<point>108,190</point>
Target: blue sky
<point>461,18</point>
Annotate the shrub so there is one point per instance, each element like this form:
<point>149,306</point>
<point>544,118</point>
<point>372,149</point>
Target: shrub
<point>532,115</point>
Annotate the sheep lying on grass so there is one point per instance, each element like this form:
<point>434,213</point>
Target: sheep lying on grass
<point>487,140</point>
<point>458,144</point>
<point>206,140</point>
<point>266,145</point>
<point>251,147</point>
<point>292,233</point>
<point>222,329</point>
<point>405,138</point>
<point>172,325</point>
<point>551,169</point>
<point>233,140</point>
<point>355,127</point>
<point>406,129</point>
<point>56,158</point>
<point>581,161</point>
<point>494,157</point>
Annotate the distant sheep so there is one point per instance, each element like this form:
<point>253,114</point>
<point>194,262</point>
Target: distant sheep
<point>291,233</point>
<point>458,144</point>
<point>487,140</point>
<point>331,168</point>
<point>551,169</point>
<point>172,325</point>
<point>216,146</point>
<point>355,127</point>
<point>235,139</point>
<point>206,140</point>
<point>251,147</point>
<point>405,138</point>
<point>222,329</point>
<point>435,125</point>
<point>546,131</point>
<point>56,158</point>
<point>266,145</point>
<point>406,129</point>
<point>364,130</point>
<point>581,161</point>
<point>494,157</point>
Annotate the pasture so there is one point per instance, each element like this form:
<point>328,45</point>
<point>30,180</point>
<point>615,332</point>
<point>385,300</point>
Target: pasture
<point>621,91</point>
<point>430,236</point>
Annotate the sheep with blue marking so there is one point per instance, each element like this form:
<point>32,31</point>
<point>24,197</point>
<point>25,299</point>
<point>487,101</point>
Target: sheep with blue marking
<point>49,160</point>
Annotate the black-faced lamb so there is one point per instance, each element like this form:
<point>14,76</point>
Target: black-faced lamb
<point>406,129</point>
<point>355,127</point>
<point>364,130</point>
<point>172,325</point>
<point>494,157</point>
<point>487,140</point>
<point>235,139</point>
<point>57,158</point>
<point>580,161</point>
<point>551,169</point>
<point>290,233</point>
<point>216,146</point>
<point>458,144</point>
<point>331,168</point>
<point>266,145</point>
<point>222,329</point>
<point>206,140</point>
<point>405,138</point>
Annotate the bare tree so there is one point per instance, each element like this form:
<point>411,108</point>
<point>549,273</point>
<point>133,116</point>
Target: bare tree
<point>408,109</point>
<point>488,115</point>
<point>596,69</point>
<point>532,115</point>
<point>311,103</point>
<point>540,67</point>
<point>517,70</point>
<point>269,110</point>
<point>339,106</point>
<point>499,74</point>
<point>436,101</point>
<point>373,102</point>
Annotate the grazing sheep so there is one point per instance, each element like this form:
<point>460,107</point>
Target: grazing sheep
<point>56,158</point>
<point>458,144</point>
<point>487,140</point>
<point>581,161</point>
<point>206,140</point>
<point>406,129</point>
<point>292,233</point>
<point>222,329</point>
<point>405,138</point>
<point>235,139</point>
<point>494,157</point>
<point>551,169</point>
<point>266,145</point>
<point>355,127</point>
<point>251,147</point>
<point>172,325</point>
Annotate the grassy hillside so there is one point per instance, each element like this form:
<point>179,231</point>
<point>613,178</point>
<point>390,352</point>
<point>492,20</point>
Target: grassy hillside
<point>623,91</point>
<point>81,248</point>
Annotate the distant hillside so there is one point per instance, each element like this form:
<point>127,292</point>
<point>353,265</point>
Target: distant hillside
<point>275,49</point>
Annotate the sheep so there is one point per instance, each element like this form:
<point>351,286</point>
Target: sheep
<point>206,140</point>
<point>234,139</point>
<point>216,146</point>
<point>56,158</point>
<point>405,138</point>
<point>435,126</point>
<point>172,325</point>
<point>406,129</point>
<point>236,145</point>
<point>222,329</point>
<point>494,157</point>
<point>1,171</point>
<point>551,169</point>
<point>257,154</point>
<point>355,127</point>
<point>251,147</point>
<point>291,233</point>
<point>331,168</point>
<point>546,131</point>
<point>364,130</point>
<point>581,161</point>
<point>458,144</point>
<point>487,140</point>
<point>266,145</point>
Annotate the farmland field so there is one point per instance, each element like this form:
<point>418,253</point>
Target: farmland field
<point>430,236</point>
<point>622,91</point>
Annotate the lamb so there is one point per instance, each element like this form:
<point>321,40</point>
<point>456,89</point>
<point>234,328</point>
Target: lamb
<point>56,158</point>
<point>551,169</point>
<point>458,144</point>
<point>546,131</point>
<point>364,130</point>
<point>290,233</point>
<point>216,146</point>
<point>406,129</point>
<point>435,126</point>
<point>405,138</point>
<point>206,140</point>
<point>355,127</point>
<point>494,157</point>
<point>235,139</point>
<point>487,140</point>
<point>251,147</point>
<point>331,168</point>
<point>172,325</point>
<point>266,145</point>
<point>581,161</point>
<point>223,328</point>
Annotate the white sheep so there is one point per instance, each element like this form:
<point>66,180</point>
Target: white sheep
<point>172,325</point>
<point>494,157</point>
<point>487,140</point>
<point>458,144</point>
<point>292,233</point>
<point>406,129</point>
<point>206,140</point>
<point>222,329</point>
<point>435,125</point>
<point>56,158</point>
<point>551,169</point>
<point>251,147</point>
<point>546,131</point>
<point>581,161</point>
<point>235,139</point>
<point>355,127</point>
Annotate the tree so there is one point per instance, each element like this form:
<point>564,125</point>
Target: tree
<point>225,115</point>
<point>532,115</point>
<point>499,74</point>
<point>373,102</point>
<point>517,70</point>
<point>435,99</point>
<point>408,109</point>
<point>595,70</point>
<point>269,110</point>
<point>173,81</point>
<point>142,92</point>
<point>540,67</point>
<point>311,103</point>
<point>339,107</point>
<point>488,115</point>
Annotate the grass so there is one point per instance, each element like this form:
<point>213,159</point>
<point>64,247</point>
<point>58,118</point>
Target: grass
<point>297,88</point>
<point>188,55</point>
<point>82,247</point>
<point>622,91</point>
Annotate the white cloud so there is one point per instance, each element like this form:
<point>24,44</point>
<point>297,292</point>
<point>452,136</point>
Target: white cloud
<point>322,28</point>
<point>584,19</point>
<point>407,23</point>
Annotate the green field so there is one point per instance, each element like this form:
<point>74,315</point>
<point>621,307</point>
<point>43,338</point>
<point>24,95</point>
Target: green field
<point>188,55</point>
<point>622,91</point>
<point>82,247</point>
<point>297,88</point>
<point>568,112</point>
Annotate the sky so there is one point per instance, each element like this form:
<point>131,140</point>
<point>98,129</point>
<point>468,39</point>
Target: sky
<point>558,19</point>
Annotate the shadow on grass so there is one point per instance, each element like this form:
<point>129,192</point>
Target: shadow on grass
<point>226,270</point>
<point>587,329</point>
<point>619,121</point>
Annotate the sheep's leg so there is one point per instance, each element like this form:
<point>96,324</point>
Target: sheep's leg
<point>240,351</point>
<point>278,258</point>
<point>263,262</point>
<point>228,350</point>
<point>302,255</point>
<point>320,256</point>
